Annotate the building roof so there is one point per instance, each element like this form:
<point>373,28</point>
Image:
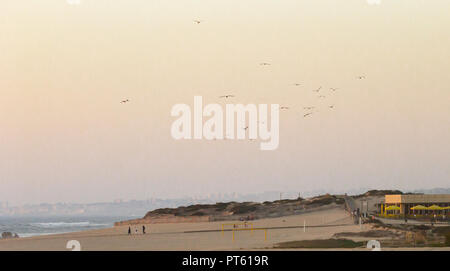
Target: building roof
<point>430,198</point>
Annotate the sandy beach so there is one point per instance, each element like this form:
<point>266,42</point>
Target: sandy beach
<point>196,236</point>
<point>203,236</point>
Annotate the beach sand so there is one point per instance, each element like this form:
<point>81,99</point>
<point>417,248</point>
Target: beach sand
<point>197,236</point>
<point>189,236</point>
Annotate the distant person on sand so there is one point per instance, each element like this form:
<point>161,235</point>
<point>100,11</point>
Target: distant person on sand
<point>143,229</point>
<point>129,230</point>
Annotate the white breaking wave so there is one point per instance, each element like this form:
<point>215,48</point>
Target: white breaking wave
<point>23,235</point>
<point>30,226</point>
<point>67,224</point>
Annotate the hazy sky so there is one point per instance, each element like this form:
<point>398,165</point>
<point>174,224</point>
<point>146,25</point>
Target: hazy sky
<point>64,136</point>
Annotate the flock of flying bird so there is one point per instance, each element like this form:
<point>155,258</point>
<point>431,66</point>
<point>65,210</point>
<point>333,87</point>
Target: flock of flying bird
<point>309,109</point>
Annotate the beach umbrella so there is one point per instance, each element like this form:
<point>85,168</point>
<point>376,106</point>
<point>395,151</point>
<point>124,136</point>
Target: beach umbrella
<point>435,208</point>
<point>393,207</point>
<point>419,207</point>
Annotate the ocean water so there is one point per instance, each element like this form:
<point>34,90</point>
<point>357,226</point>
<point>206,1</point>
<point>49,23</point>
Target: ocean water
<point>32,226</point>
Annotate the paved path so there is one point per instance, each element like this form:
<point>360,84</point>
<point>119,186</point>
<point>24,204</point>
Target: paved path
<point>351,207</point>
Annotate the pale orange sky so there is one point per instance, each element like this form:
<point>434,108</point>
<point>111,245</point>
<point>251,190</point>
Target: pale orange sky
<point>64,69</point>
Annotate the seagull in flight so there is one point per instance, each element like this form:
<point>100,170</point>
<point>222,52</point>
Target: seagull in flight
<point>307,114</point>
<point>317,90</point>
<point>264,64</point>
<point>308,107</point>
<point>333,89</point>
<point>197,21</point>
<point>124,101</point>
<point>226,96</point>
<point>284,107</point>
<point>297,84</point>
<point>321,96</point>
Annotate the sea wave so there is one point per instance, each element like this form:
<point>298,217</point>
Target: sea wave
<point>23,235</point>
<point>32,226</point>
<point>67,224</point>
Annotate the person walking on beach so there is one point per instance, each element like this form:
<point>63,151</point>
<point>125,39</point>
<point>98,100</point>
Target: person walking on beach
<point>143,229</point>
<point>129,230</point>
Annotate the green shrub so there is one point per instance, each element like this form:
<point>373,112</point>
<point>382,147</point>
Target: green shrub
<point>199,213</point>
<point>221,206</point>
<point>242,209</point>
<point>321,243</point>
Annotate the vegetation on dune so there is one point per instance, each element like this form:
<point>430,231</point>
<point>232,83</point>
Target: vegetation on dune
<point>443,231</point>
<point>369,234</point>
<point>253,210</point>
<point>222,206</point>
<point>162,211</point>
<point>243,209</point>
<point>379,193</point>
<point>321,243</point>
<point>414,235</point>
<point>325,199</point>
<point>197,207</point>
<point>199,213</point>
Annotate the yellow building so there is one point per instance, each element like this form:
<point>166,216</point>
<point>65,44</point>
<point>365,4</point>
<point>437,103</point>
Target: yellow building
<point>416,204</point>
